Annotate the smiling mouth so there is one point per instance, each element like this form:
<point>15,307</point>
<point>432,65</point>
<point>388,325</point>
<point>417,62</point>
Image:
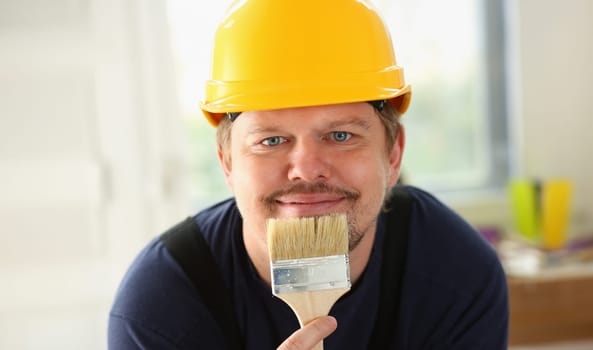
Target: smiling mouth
<point>309,204</point>
<point>304,199</point>
<point>305,203</point>
<point>308,199</point>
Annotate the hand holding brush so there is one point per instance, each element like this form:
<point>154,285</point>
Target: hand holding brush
<point>311,335</point>
<point>309,263</point>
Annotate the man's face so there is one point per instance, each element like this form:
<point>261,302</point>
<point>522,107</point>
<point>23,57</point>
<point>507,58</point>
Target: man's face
<point>310,161</point>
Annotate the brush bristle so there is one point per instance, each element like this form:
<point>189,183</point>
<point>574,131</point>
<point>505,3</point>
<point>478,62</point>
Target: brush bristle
<point>310,237</point>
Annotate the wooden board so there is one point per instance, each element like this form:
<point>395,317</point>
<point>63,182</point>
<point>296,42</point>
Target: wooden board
<point>550,309</point>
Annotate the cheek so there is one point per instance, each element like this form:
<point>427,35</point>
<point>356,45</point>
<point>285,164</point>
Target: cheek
<point>253,180</point>
<point>368,170</point>
<point>254,177</point>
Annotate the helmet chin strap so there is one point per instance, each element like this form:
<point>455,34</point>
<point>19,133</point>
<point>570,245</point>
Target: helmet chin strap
<point>378,105</point>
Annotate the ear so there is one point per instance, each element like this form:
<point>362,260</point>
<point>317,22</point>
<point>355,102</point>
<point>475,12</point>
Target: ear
<point>225,164</point>
<point>396,156</point>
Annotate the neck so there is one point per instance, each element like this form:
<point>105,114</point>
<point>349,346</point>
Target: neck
<point>259,256</point>
<point>359,256</point>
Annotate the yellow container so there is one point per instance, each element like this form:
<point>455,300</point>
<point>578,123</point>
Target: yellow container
<point>556,200</point>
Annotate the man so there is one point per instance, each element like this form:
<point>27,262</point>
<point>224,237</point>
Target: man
<point>306,96</point>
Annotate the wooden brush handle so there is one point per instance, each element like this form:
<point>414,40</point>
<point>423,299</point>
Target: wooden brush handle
<point>309,305</point>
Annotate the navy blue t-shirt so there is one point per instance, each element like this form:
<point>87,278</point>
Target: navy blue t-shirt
<point>454,293</point>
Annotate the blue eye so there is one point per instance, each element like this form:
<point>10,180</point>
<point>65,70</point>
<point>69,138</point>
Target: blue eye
<point>341,136</point>
<point>273,141</point>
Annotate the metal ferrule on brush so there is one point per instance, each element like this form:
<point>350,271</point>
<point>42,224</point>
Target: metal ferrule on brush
<point>310,274</point>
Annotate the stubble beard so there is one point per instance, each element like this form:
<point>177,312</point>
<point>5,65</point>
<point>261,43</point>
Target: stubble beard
<point>355,232</point>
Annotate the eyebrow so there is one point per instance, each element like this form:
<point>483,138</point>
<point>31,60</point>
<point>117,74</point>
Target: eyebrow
<point>355,121</point>
<point>262,130</point>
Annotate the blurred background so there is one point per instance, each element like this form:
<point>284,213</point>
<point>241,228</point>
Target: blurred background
<point>102,146</point>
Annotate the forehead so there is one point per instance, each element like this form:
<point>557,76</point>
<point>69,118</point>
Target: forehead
<point>360,113</point>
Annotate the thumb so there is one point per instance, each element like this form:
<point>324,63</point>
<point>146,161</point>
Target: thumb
<point>311,334</point>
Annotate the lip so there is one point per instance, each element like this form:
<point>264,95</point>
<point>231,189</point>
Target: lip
<point>308,204</point>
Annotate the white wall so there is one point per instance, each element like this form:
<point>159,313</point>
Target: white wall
<point>91,161</point>
<point>553,118</point>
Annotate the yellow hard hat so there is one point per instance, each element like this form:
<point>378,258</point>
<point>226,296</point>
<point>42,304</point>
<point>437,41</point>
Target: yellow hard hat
<point>271,54</point>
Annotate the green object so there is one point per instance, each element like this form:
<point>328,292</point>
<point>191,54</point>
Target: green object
<point>524,200</point>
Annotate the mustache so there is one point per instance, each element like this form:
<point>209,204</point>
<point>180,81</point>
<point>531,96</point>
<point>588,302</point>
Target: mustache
<point>309,188</point>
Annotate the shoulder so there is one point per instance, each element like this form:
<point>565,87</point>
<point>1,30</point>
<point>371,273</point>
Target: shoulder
<point>443,238</point>
<point>442,247</point>
<point>221,225</point>
<point>219,217</point>
<point>156,304</point>
<point>454,284</point>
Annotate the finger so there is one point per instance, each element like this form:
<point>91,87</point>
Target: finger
<point>311,334</point>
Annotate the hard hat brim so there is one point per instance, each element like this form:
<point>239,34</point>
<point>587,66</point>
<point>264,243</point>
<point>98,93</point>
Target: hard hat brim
<point>278,96</point>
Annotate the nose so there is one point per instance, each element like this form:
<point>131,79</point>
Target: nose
<point>308,161</point>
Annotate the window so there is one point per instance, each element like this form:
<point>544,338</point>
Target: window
<point>453,56</point>
<point>193,24</point>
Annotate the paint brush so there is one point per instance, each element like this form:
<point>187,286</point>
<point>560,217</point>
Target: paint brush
<point>309,263</point>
